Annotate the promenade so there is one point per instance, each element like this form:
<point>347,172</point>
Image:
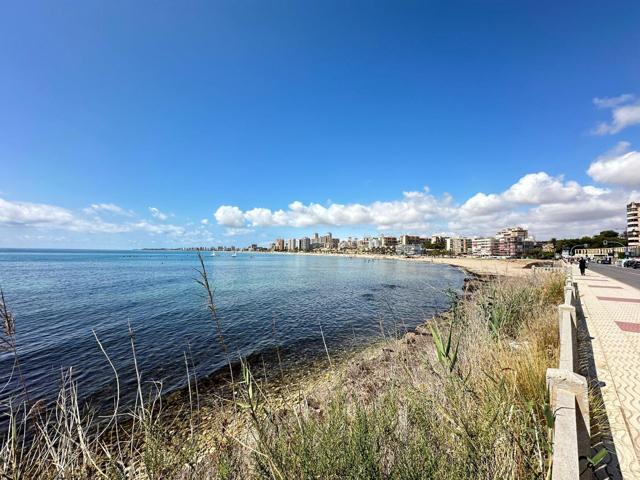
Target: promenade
<point>612,312</point>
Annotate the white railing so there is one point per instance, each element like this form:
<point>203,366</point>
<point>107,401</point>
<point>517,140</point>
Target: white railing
<point>568,394</point>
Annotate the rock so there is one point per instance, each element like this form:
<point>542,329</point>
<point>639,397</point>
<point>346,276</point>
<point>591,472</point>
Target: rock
<point>422,330</point>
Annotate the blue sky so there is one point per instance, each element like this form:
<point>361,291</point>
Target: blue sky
<point>509,112</point>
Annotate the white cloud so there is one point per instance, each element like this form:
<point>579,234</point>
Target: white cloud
<point>625,112</point>
<point>611,102</point>
<point>412,211</point>
<point>158,229</point>
<point>43,216</point>
<point>618,166</point>
<point>483,204</point>
<point>229,216</point>
<point>540,188</point>
<point>23,213</point>
<point>204,221</point>
<point>155,213</point>
<point>108,208</point>
<point>548,205</point>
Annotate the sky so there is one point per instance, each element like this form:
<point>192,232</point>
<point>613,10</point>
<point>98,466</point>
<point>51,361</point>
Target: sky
<point>169,124</point>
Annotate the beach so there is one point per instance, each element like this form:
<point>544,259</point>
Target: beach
<point>507,267</point>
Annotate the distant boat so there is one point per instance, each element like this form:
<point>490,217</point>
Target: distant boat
<point>213,254</point>
<point>234,254</point>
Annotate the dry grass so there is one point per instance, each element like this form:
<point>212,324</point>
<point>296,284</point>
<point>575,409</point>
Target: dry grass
<point>411,408</point>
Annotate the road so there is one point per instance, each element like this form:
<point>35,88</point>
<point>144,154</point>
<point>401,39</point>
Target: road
<point>629,276</point>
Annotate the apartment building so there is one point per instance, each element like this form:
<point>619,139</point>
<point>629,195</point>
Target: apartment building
<point>278,246</point>
<point>364,243</point>
<point>326,241</point>
<point>512,242</point>
<point>485,247</point>
<point>459,245</point>
<point>410,240</point>
<point>375,243</point>
<point>633,226</point>
<point>388,241</point>
<point>304,244</point>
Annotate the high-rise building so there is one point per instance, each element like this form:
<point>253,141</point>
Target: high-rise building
<point>633,225</point>
<point>304,244</point>
<point>291,245</point>
<point>326,241</point>
<point>279,245</point>
<point>512,241</point>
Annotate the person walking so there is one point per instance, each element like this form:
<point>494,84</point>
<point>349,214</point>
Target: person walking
<point>583,265</point>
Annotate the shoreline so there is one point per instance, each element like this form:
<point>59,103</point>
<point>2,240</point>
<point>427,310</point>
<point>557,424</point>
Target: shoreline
<point>297,379</point>
<point>473,265</point>
<point>314,382</point>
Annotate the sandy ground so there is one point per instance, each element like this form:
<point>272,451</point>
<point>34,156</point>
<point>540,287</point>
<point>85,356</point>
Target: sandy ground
<point>488,266</point>
<point>479,266</point>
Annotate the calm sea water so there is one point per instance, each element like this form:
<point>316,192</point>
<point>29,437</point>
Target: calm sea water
<point>59,298</point>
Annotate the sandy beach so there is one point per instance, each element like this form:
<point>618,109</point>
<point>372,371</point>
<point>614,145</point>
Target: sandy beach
<point>480,266</point>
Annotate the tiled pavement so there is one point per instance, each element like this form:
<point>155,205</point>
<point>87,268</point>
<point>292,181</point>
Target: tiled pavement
<point>612,313</point>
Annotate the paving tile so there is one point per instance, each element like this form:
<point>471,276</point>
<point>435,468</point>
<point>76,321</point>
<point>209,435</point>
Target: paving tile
<point>614,325</point>
<point>629,326</point>
<point>619,299</point>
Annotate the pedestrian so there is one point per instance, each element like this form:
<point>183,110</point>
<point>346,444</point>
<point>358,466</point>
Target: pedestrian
<point>583,265</point>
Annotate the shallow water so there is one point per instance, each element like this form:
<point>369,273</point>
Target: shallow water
<point>263,301</point>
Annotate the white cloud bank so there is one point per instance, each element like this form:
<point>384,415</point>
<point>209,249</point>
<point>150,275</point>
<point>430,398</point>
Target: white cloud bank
<point>548,205</point>
<point>625,112</point>
<point>44,216</point>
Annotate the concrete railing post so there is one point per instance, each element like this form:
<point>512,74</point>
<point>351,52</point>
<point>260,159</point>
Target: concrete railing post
<point>569,398</point>
<point>568,337</point>
<point>568,294</point>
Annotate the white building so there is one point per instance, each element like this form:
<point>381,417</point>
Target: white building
<point>375,243</point>
<point>633,225</point>
<point>485,247</point>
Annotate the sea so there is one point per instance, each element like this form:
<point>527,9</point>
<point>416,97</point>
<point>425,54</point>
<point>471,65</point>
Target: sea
<point>77,313</point>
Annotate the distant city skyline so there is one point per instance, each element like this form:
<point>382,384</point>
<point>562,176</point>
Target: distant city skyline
<point>225,123</point>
